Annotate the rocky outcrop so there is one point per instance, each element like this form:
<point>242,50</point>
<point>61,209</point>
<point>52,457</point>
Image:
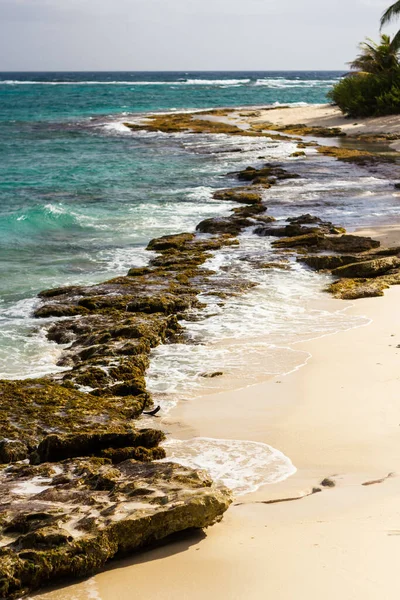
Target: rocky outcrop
<point>317,241</point>
<point>265,176</point>
<point>142,444</point>
<point>368,268</point>
<point>351,289</point>
<point>367,272</point>
<point>69,519</point>
<point>32,409</point>
<point>295,229</point>
<point>327,262</point>
<point>241,195</point>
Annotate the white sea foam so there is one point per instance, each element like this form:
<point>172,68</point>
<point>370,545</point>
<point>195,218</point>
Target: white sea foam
<point>117,127</point>
<point>24,349</point>
<point>132,83</point>
<point>277,82</point>
<point>247,337</point>
<point>241,465</point>
<point>31,487</point>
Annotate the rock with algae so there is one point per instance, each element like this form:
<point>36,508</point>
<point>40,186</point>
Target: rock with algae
<point>70,519</point>
<point>368,268</point>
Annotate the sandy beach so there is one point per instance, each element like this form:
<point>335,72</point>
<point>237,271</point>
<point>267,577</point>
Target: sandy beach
<point>320,115</point>
<point>324,115</point>
<point>338,417</point>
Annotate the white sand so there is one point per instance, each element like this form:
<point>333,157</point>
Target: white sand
<point>325,115</point>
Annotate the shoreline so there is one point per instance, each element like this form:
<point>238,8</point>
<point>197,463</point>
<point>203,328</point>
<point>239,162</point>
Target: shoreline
<point>252,568</point>
<point>342,539</point>
<point>346,445</point>
<point>221,416</point>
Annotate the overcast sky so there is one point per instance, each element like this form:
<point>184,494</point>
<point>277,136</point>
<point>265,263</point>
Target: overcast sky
<point>184,34</point>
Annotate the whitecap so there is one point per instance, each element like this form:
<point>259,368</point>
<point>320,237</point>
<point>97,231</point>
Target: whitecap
<point>241,465</point>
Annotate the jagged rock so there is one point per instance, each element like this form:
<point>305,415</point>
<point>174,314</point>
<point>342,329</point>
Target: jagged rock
<point>327,482</point>
<point>32,408</point>
<point>167,304</point>
<point>318,241</point>
<point>60,291</point>
<point>251,210</point>
<point>241,195</point>
<point>212,375</point>
<point>351,289</point>
<point>266,175</point>
<point>286,230</point>
<point>139,271</point>
<point>167,242</point>
<point>309,240</point>
<point>223,225</point>
<point>321,262</point>
<point>392,251</point>
<point>305,219</point>
<point>81,518</point>
<point>351,243</point>
<point>264,219</point>
<point>369,268</point>
<point>55,448</point>
<point>58,310</point>
<point>12,451</point>
<point>272,265</point>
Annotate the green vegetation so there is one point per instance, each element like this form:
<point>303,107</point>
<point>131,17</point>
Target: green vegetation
<point>372,88</point>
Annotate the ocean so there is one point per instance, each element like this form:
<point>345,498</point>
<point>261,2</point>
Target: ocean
<point>81,195</point>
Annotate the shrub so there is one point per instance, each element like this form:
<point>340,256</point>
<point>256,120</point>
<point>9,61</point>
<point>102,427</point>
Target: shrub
<point>366,95</point>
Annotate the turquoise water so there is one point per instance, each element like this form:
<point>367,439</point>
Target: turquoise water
<point>74,196</point>
<point>80,195</point>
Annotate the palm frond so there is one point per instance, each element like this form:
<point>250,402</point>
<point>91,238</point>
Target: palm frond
<point>395,43</point>
<point>391,13</point>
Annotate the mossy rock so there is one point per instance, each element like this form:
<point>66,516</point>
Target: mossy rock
<point>223,225</point>
<point>327,262</point>
<point>352,289</point>
<point>340,243</point>
<point>309,240</point>
<point>369,268</point>
<point>167,242</point>
<point>358,157</point>
<point>238,195</point>
<point>12,451</point>
<point>55,448</point>
<point>31,408</point>
<point>167,304</point>
<point>102,511</point>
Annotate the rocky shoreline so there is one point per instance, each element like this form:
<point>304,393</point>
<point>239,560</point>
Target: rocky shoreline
<point>78,479</point>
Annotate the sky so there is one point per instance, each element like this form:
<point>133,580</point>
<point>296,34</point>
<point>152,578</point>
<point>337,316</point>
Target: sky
<point>139,35</point>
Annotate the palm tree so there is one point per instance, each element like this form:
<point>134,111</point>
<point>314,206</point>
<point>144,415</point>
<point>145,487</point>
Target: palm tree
<point>391,13</point>
<point>376,58</point>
